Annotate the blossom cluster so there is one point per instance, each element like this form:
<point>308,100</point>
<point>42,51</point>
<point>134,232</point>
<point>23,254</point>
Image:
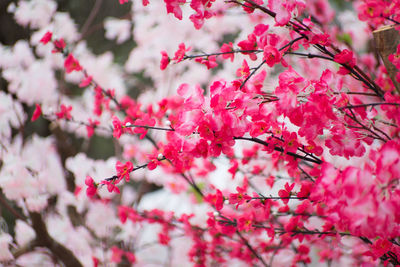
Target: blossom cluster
<point>271,142</point>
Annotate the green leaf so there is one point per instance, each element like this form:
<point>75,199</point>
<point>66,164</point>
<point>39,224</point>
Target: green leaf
<point>345,38</point>
<point>198,197</point>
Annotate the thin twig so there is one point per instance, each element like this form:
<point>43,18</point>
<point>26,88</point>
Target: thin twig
<point>14,212</point>
<point>280,149</point>
<point>221,53</point>
<point>255,253</point>
<point>369,104</point>
<point>91,16</point>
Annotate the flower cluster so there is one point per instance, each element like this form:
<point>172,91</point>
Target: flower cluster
<point>271,142</point>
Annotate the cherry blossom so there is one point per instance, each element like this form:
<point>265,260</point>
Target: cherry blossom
<point>71,64</point>
<point>37,113</point>
<point>271,140</point>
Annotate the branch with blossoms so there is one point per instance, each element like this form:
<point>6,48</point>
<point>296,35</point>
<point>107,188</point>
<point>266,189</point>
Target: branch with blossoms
<point>65,114</point>
<point>227,51</point>
<point>123,171</point>
<point>294,229</point>
<point>119,127</point>
<point>169,223</point>
<point>305,134</point>
<point>369,105</point>
<point>282,231</point>
<point>345,57</point>
<point>71,64</point>
<point>312,158</point>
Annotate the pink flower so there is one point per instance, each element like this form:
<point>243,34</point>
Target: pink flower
<point>290,144</point>
<point>123,1</point>
<point>395,58</point>
<point>130,256</point>
<point>245,222</point>
<point>110,186</point>
<point>117,132</point>
<point>86,81</point>
<point>65,112</point>
<point>173,6</point>
<point>146,120</point>
<point>164,60</point>
<point>240,197</point>
<point>249,8</point>
<point>123,212</point>
<point>46,37</point>
<point>92,187</point>
<point>313,148</point>
<point>234,168</point>
<point>258,128</point>
<point>345,57</point>
<point>243,71</point>
<point>164,238</point>
<point>306,187</point>
<point>228,48</point>
<point>152,164</point>
<point>36,114</point>
<point>180,53</point>
<point>370,9</point>
<point>90,128</point>
<point>201,149</point>
<point>98,101</point>
<point>210,61</point>
<point>260,29</point>
<point>71,64</point>
<point>77,190</point>
<point>249,45</point>
<point>123,170</point>
<point>322,39</point>
<point>272,55</point>
<point>116,255</point>
<point>379,248</point>
<point>282,11</point>
<point>95,261</point>
<point>217,199</point>
<point>285,193</point>
<point>303,207</point>
<point>293,224</point>
<point>203,12</point>
<point>345,143</point>
<point>59,46</point>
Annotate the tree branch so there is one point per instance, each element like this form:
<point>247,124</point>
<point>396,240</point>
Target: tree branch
<point>43,239</point>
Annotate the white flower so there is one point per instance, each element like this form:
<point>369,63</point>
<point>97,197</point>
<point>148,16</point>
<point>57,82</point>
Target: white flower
<point>65,27</point>
<point>119,29</point>
<point>35,84</point>
<point>35,13</point>
<point>5,254</point>
<point>11,114</point>
<point>23,233</point>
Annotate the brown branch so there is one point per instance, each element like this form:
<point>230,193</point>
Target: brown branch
<point>255,253</point>
<point>369,104</point>
<point>280,149</point>
<point>5,204</point>
<point>43,239</point>
<point>221,53</point>
<point>91,17</point>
